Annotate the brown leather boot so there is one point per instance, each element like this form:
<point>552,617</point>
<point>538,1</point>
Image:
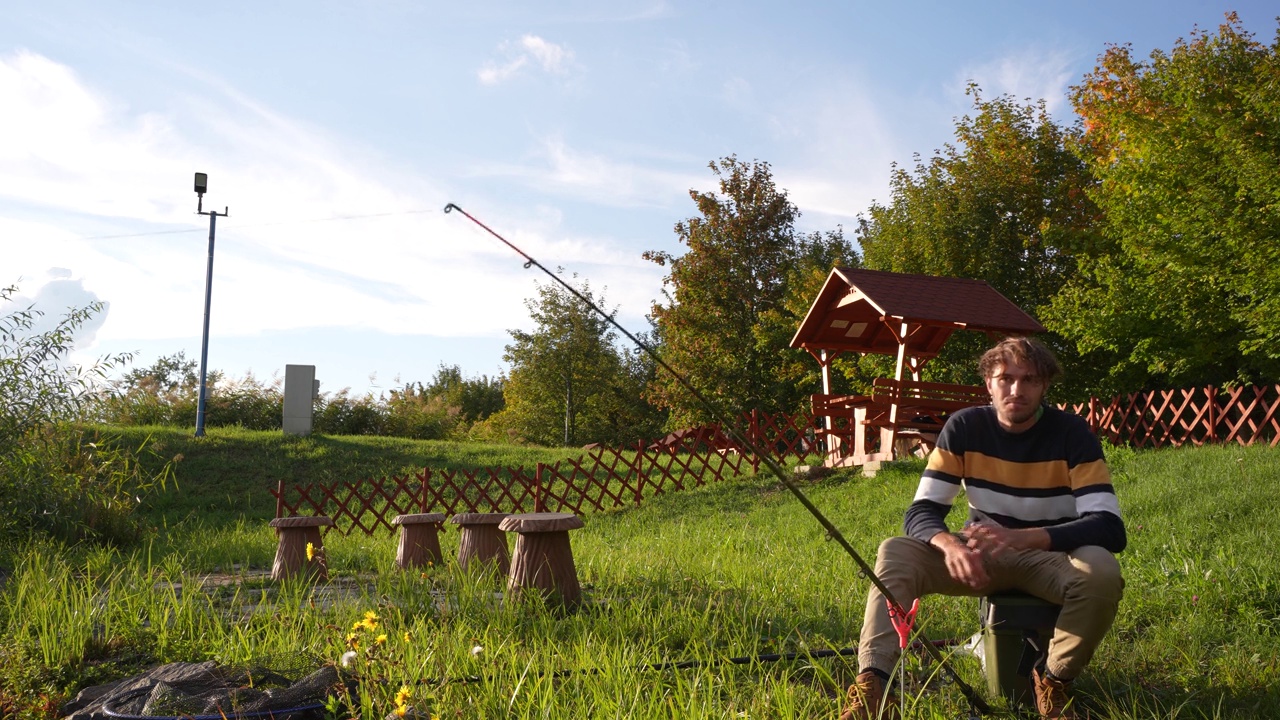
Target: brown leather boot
<point>868,700</point>
<point>1052,698</point>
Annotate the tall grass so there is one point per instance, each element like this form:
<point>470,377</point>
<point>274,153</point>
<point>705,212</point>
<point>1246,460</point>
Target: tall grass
<point>731,570</point>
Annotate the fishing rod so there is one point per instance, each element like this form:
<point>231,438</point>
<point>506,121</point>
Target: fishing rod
<point>731,429</point>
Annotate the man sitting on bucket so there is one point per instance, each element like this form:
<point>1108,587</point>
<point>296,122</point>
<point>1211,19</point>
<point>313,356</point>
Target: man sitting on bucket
<point>1043,519</point>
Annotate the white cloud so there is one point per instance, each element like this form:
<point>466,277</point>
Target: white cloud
<point>53,301</point>
<point>529,50</point>
<point>1030,73</point>
<point>89,166</point>
<point>61,144</point>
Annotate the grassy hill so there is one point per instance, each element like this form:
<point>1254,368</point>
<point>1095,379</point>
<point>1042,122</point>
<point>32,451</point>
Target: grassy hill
<point>226,475</point>
<point>731,570</point>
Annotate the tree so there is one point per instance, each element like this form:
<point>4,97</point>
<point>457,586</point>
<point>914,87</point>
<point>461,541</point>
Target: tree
<point>1185,288</point>
<point>1006,204</point>
<point>720,326</point>
<point>476,398</point>
<point>568,382</point>
<point>798,375</point>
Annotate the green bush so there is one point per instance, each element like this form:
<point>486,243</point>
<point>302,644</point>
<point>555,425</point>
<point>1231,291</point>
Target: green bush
<point>342,414</point>
<point>167,392</point>
<point>55,478</point>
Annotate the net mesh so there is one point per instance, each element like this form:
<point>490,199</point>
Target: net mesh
<point>293,688</point>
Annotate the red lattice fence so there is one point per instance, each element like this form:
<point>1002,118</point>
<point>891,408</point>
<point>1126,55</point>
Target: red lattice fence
<point>1199,416</point>
<point>607,478</point>
<point>603,479</point>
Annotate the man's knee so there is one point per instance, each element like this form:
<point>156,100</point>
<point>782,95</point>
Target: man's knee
<point>1098,573</point>
<point>897,549</point>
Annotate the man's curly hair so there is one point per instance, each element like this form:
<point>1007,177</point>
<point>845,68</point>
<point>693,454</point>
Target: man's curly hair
<point>1024,351</point>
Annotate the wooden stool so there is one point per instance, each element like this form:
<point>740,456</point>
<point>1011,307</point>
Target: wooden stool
<point>482,541</point>
<point>1016,629</point>
<point>543,558</point>
<point>419,540</point>
<point>291,554</point>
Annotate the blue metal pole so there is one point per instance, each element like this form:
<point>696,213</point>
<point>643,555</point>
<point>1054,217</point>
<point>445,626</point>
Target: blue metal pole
<point>204,345</point>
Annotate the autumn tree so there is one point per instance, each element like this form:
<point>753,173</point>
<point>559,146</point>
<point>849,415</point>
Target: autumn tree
<point>719,326</point>
<point>1185,288</point>
<point>1005,204</point>
<point>569,384</point>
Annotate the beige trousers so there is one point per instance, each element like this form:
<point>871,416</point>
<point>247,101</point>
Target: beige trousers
<point>1086,582</point>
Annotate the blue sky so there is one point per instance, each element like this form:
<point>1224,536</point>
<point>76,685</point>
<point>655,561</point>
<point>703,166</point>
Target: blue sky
<point>336,133</point>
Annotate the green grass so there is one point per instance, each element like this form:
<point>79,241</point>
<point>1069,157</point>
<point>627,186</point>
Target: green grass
<point>734,569</point>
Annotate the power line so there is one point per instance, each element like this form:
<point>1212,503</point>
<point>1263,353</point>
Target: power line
<point>259,225</point>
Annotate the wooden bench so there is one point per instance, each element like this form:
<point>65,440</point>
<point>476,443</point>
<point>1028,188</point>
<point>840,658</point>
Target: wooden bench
<point>923,405</point>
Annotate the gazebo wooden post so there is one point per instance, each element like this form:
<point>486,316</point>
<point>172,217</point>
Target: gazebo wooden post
<point>834,445</point>
<point>889,434</point>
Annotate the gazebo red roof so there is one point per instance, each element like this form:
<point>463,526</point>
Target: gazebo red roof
<point>862,311</point>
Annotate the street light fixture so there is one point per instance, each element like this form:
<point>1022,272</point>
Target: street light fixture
<point>201,187</point>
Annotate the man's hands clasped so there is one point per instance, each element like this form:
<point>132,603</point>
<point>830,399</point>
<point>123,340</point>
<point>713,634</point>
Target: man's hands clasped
<point>966,557</point>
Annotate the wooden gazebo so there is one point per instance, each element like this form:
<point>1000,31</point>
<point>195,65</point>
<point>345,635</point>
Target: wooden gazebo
<point>909,317</point>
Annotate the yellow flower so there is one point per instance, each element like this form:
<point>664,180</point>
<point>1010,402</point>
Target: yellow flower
<point>403,697</point>
<point>380,639</point>
<point>407,637</point>
<point>401,710</point>
<point>311,552</point>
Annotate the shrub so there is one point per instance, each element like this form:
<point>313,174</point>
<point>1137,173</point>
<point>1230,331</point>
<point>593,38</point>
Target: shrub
<point>343,415</point>
<point>56,479</point>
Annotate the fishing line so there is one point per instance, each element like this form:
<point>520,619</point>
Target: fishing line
<point>742,440</point>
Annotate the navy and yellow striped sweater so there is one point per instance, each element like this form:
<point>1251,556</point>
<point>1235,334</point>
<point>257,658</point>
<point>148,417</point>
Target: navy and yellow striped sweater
<point>1052,475</point>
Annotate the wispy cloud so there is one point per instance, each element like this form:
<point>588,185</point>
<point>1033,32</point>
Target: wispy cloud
<point>529,51</point>
<point>1034,73</point>
<point>556,166</point>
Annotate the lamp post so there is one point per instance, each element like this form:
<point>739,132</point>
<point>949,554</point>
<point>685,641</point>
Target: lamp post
<point>202,186</point>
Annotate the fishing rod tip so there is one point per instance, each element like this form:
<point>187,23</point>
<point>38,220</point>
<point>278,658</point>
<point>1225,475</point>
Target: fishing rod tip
<point>451,207</point>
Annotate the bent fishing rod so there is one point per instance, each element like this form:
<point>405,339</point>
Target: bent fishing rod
<point>743,441</point>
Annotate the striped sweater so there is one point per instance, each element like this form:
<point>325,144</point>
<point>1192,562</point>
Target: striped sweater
<point>1052,475</point>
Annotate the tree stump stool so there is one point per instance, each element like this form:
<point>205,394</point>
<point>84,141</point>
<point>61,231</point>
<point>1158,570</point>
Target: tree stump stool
<point>419,540</point>
<point>482,541</point>
<point>295,534</point>
<point>543,558</point>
